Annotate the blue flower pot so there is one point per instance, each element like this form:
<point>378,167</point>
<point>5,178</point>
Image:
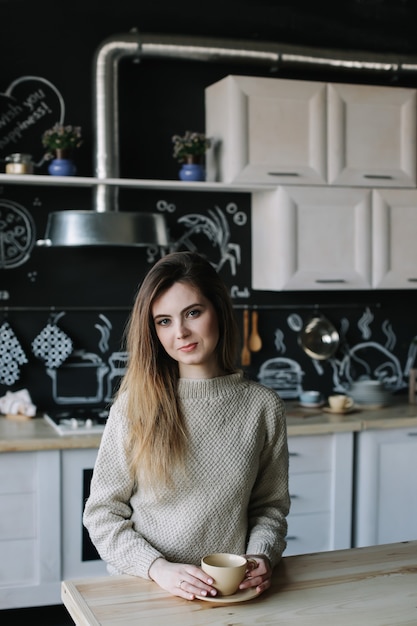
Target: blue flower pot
<point>192,172</point>
<point>62,167</point>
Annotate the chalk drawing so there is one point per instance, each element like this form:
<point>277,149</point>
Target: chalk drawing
<point>215,228</point>
<point>17,234</point>
<point>28,107</point>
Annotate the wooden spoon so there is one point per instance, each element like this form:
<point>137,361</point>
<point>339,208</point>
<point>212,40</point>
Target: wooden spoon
<point>255,342</point>
<point>245,356</point>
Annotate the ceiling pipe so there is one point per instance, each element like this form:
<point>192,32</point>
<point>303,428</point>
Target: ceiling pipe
<point>265,54</point>
<point>105,225</point>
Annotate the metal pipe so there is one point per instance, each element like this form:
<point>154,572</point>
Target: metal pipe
<point>269,54</point>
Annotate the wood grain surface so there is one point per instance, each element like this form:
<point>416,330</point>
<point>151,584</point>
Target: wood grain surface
<point>373,586</point>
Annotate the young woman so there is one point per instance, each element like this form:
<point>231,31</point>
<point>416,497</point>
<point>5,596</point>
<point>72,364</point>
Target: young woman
<point>194,458</point>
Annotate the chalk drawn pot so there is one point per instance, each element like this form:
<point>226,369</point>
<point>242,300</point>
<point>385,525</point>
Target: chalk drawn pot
<point>192,172</point>
<point>62,167</point>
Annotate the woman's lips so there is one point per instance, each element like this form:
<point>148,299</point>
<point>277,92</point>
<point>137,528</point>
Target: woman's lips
<point>188,348</point>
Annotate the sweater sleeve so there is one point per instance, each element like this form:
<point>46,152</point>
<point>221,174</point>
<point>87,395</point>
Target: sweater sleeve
<point>107,513</point>
<point>270,502</point>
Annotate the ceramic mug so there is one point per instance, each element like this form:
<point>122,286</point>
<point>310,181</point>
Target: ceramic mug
<point>310,397</point>
<point>227,570</point>
<point>340,402</point>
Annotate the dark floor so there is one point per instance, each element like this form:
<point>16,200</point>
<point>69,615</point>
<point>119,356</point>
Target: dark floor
<point>42,615</point>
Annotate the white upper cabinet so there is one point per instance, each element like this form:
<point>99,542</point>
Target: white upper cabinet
<point>371,136</point>
<point>394,239</point>
<point>279,131</point>
<point>311,238</point>
<point>266,130</point>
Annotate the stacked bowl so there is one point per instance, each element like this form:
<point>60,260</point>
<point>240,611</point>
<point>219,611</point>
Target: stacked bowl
<point>370,393</point>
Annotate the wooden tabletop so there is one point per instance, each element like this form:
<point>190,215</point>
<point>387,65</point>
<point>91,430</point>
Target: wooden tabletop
<point>373,586</point>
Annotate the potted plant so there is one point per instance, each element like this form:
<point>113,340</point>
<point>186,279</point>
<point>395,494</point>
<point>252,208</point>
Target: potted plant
<point>60,142</point>
<point>189,150</point>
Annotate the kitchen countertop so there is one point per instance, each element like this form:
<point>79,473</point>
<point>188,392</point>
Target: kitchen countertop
<point>363,586</point>
<point>36,434</point>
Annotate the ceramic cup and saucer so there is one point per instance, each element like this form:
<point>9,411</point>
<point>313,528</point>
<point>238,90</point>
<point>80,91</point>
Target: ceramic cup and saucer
<point>228,571</point>
<point>340,404</point>
<point>311,399</point>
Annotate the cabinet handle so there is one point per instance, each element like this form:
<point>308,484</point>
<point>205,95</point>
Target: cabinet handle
<point>294,174</point>
<point>379,176</point>
<point>330,280</point>
<point>412,280</point>
<point>293,454</point>
<point>291,538</point>
<point>294,496</point>
<point>412,434</point>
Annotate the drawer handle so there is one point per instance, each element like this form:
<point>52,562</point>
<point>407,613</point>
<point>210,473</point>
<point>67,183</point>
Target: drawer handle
<point>412,280</point>
<point>412,434</point>
<point>293,454</point>
<point>293,496</point>
<point>291,538</point>
<point>330,280</point>
<point>379,176</point>
<point>294,174</point>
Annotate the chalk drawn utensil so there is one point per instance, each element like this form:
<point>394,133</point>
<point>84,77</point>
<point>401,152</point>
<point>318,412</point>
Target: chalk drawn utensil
<point>245,355</point>
<point>255,342</point>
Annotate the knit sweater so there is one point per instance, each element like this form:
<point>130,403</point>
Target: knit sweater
<point>233,496</point>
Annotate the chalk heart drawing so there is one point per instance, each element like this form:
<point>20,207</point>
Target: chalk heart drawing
<point>28,107</point>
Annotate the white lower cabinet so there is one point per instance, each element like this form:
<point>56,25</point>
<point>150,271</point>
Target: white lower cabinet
<point>30,529</point>
<point>42,540</point>
<point>320,482</point>
<point>386,486</point>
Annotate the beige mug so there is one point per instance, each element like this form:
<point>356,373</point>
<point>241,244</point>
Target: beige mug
<point>339,402</point>
<point>227,570</point>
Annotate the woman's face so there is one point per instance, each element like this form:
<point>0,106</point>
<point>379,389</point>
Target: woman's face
<point>187,327</point>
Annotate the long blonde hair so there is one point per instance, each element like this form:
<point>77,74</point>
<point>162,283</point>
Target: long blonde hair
<point>157,431</point>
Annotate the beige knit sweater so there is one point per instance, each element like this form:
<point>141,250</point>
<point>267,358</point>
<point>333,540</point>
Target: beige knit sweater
<point>232,498</point>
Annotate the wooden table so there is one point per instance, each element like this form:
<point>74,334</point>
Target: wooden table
<point>358,587</point>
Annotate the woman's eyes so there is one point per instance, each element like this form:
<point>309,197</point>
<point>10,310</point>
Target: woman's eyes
<point>193,313</point>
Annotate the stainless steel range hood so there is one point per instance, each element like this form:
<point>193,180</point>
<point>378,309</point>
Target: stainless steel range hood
<point>110,228</point>
<point>105,224</point>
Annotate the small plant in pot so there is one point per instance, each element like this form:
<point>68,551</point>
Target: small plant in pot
<point>189,150</point>
<point>60,142</point>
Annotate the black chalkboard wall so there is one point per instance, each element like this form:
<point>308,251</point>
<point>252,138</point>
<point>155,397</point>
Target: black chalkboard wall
<point>84,294</point>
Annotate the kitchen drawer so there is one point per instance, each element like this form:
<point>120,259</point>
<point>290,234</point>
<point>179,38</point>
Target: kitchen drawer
<point>310,493</point>
<point>308,533</point>
<point>18,566</point>
<point>310,454</point>
<point>17,472</point>
<point>20,520</point>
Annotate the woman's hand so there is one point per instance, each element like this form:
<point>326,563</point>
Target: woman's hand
<point>258,574</point>
<point>181,579</point>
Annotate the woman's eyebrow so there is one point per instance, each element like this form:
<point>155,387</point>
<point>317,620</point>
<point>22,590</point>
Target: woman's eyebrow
<point>187,308</point>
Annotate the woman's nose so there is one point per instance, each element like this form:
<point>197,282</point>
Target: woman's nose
<point>182,330</point>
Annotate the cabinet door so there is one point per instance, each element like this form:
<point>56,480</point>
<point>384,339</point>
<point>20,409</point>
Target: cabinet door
<point>386,490</point>
<point>371,136</point>
<point>311,238</point>
<point>394,239</point>
<point>30,529</point>
<point>320,483</point>
<point>266,130</point>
